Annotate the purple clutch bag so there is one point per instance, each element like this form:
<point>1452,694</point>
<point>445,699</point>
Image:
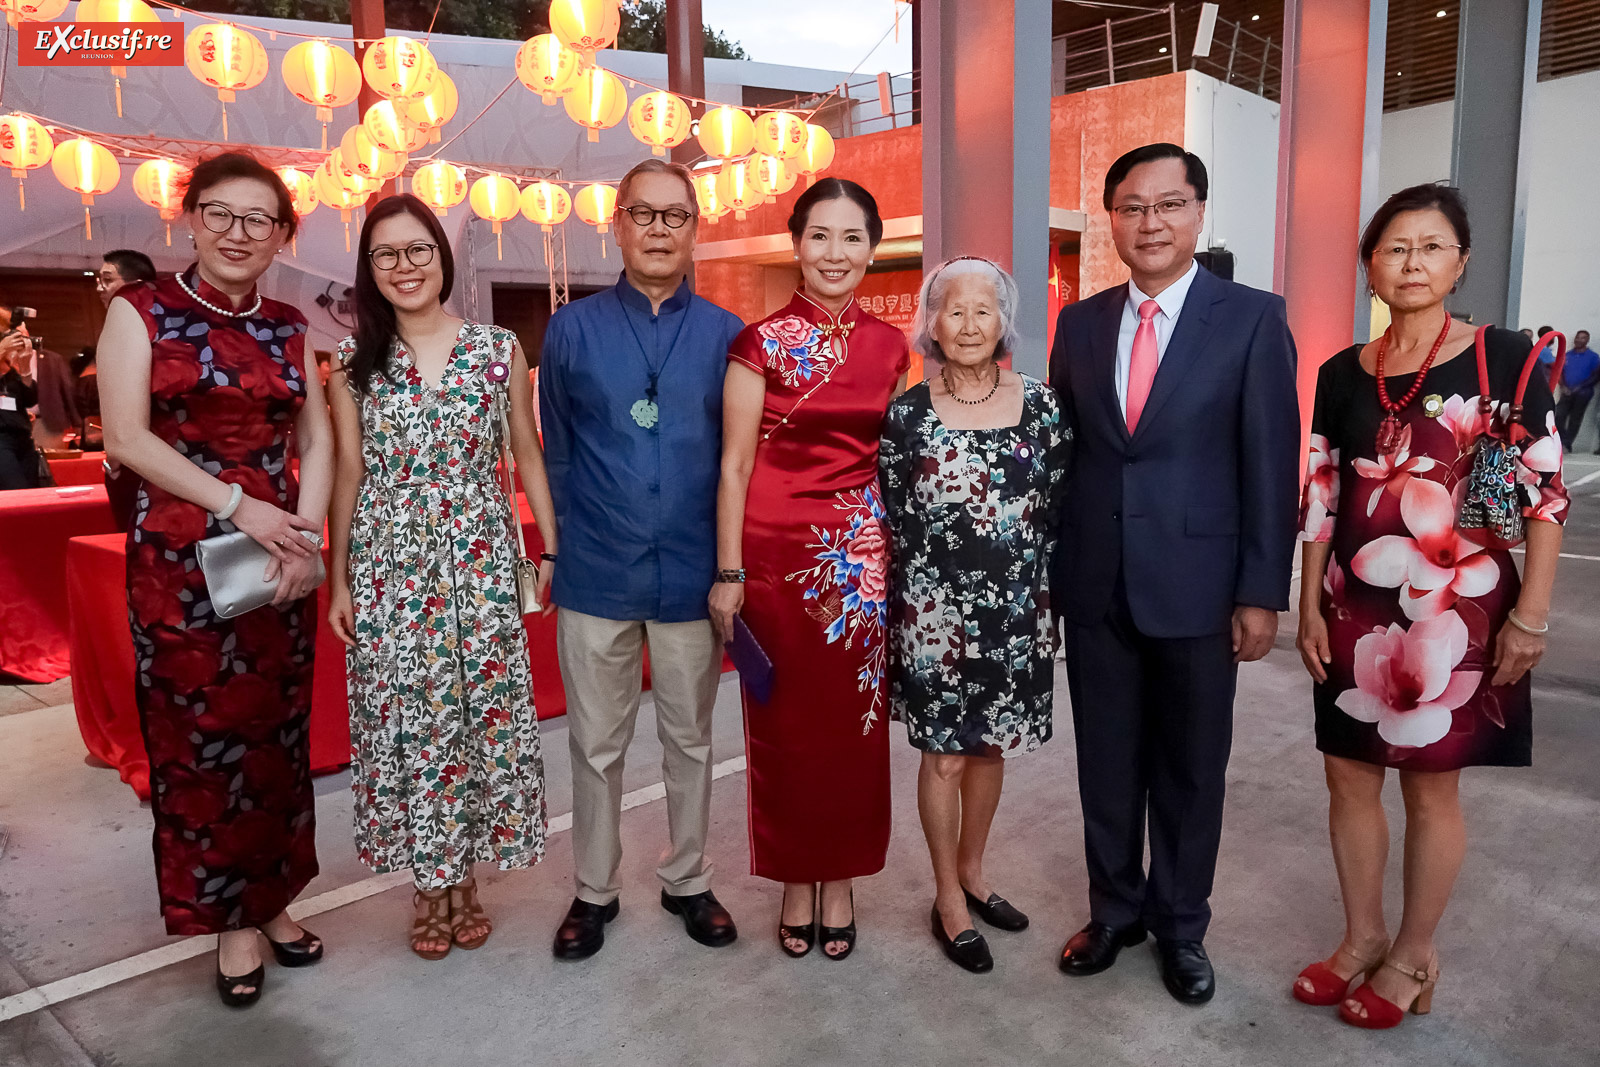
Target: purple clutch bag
<point>755,669</point>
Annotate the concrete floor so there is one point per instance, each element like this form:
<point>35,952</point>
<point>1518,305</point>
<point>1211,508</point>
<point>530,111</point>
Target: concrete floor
<point>1518,946</point>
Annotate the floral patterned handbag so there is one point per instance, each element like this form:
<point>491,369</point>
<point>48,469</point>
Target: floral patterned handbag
<point>1491,507</point>
<point>525,571</point>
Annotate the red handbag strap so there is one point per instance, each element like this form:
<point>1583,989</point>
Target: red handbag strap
<point>1485,401</point>
<point>1515,431</point>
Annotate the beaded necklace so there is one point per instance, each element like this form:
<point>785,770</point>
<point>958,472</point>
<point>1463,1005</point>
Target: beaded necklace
<point>1389,428</point>
<point>209,306</point>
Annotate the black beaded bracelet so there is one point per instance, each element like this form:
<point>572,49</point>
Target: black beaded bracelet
<point>736,576</point>
<point>548,556</point>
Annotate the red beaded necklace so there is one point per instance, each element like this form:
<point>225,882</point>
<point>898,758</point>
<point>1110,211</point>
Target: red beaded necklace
<point>1389,428</point>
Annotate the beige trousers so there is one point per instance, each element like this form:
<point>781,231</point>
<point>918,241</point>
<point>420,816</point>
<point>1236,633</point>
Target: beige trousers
<point>602,662</point>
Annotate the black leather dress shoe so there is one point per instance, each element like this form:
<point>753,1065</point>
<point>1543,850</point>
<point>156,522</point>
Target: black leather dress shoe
<point>1094,948</point>
<point>707,921</point>
<point>583,931</point>
<point>1186,970</point>
<point>998,912</point>
<point>967,949</point>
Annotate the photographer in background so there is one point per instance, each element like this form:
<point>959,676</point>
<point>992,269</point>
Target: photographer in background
<point>19,460</point>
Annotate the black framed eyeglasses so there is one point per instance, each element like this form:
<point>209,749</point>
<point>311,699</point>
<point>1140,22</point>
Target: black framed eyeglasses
<point>643,216</point>
<point>1163,209</point>
<point>258,226</point>
<point>418,254</point>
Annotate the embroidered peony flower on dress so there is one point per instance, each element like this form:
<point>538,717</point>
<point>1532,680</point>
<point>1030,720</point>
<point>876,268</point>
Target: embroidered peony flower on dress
<point>794,348</point>
<point>1406,680</point>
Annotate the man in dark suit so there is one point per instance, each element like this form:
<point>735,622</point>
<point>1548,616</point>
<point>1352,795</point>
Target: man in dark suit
<point>1178,529</point>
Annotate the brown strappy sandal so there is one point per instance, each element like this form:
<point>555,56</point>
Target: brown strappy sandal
<point>468,912</point>
<point>435,926</point>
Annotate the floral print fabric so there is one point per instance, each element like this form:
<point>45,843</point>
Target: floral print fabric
<point>972,636</point>
<point>1413,608</point>
<point>224,704</point>
<point>446,764</point>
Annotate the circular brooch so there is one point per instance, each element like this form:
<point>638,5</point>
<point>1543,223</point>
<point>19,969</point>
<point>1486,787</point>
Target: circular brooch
<point>1433,405</point>
<point>1023,452</point>
<point>499,372</point>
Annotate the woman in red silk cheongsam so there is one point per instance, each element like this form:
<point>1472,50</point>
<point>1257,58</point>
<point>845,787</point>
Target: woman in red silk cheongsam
<point>803,553</point>
<point>205,398</point>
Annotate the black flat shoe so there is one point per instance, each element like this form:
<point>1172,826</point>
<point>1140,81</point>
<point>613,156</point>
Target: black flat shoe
<point>226,986</point>
<point>1094,948</point>
<point>302,952</point>
<point>1186,971</point>
<point>806,933</point>
<point>967,949</point>
<point>847,934</point>
<point>583,931</point>
<point>707,921</point>
<point>997,911</point>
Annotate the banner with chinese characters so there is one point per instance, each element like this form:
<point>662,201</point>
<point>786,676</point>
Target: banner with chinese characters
<point>891,295</point>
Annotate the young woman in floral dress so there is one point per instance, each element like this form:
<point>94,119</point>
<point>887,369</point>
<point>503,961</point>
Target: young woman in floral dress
<point>446,769</point>
<point>1419,641</point>
<point>803,555</point>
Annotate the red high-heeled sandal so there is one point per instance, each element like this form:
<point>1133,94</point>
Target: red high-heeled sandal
<point>1327,988</point>
<point>1385,1015</point>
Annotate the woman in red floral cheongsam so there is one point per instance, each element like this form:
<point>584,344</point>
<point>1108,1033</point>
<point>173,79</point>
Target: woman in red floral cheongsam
<point>800,525</point>
<point>1420,640</point>
<point>206,397</point>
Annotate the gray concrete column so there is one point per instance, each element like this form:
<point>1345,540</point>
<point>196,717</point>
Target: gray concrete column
<point>1497,62</point>
<point>986,147</point>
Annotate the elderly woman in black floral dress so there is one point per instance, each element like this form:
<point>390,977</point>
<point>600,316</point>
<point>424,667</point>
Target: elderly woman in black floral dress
<point>971,460</point>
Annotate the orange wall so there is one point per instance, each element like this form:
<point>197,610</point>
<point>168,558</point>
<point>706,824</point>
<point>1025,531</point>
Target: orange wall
<point>1088,131</point>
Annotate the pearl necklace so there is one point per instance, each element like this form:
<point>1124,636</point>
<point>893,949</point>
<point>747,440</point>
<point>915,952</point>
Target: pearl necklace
<point>961,400</point>
<point>209,306</point>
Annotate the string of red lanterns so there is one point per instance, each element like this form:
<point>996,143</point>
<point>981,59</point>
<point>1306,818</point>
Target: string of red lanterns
<point>760,152</point>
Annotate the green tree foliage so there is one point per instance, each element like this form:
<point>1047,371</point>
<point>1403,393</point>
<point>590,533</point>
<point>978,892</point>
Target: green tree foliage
<point>644,22</point>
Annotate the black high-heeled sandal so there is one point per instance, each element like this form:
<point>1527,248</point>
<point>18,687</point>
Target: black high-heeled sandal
<point>806,933</point>
<point>226,985</point>
<point>301,952</point>
<point>829,934</point>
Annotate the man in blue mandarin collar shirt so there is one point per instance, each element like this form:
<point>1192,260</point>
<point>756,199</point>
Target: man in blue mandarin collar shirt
<point>630,398</point>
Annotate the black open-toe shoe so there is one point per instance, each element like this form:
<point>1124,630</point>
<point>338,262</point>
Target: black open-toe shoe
<point>847,934</point>
<point>997,911</point>
<point>302,952</point>
<point>226,986</point>
<point>806,933</point>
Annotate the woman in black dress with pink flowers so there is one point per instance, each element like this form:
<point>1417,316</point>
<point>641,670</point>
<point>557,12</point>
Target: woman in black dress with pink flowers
<point>1420,640</point>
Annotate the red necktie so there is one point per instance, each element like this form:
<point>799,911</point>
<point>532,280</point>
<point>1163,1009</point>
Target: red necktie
<point>1142,364</point>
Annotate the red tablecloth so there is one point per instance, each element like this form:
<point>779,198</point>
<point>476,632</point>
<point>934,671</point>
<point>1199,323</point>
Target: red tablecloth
<point>102,666</point>
<point>79,470</point>
<point>35,525</point>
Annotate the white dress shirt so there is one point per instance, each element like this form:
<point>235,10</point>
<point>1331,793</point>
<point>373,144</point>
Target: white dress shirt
<point>1165,321</point>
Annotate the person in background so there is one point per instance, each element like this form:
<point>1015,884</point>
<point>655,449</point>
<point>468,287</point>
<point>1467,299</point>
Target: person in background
<point>446,768</point>
<point>1175,556</point>
<point>1579,376</point>
<point>1547,359</point>
<point>802,553</point>
<point>1527,331</point>
<point>206,393</point>
<point>60,422</point>
<point>19,391</point>
<point>972,462</point>
<point>121,267</point>
<point>118,268</point>
<point>630,391</point>
<point>1419,641</point>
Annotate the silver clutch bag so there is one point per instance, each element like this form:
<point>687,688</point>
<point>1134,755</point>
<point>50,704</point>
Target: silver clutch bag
<point>233,565</point>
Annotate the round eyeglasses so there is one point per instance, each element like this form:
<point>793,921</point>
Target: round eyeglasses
<point>418,254</point>
<point>258,225</point>
<point>643,216</point>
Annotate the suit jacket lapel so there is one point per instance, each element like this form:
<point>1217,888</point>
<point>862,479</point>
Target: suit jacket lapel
<point>1196,322</point>
<point>1106,329</point>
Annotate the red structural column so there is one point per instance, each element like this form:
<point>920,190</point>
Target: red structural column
<point>1319,176</point>
<point>686,61</point>
<point>368,20</point>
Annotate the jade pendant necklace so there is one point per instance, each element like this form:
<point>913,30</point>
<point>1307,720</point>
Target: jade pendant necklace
<point>646,412</point>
